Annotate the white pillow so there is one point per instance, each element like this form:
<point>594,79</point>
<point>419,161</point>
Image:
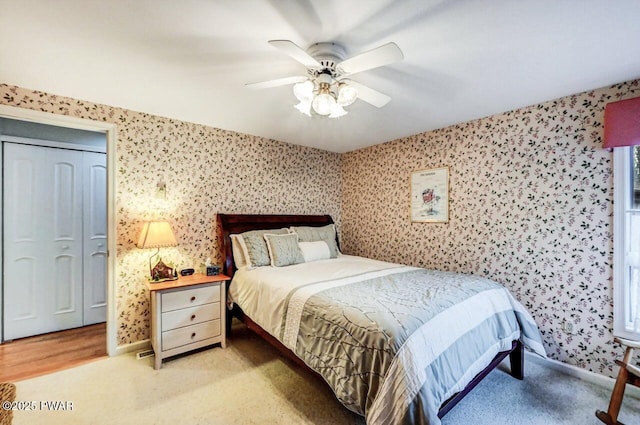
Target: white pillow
<point>313,234</point>
<point>237,251</point>
<point>314,251</point>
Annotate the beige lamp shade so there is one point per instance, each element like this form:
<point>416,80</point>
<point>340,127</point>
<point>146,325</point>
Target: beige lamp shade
<point>156,234</point>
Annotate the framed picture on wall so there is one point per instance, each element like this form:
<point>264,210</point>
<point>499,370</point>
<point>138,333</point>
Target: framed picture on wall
<point>430,195</point>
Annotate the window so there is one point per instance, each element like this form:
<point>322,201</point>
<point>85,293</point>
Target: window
<point>626,227</point>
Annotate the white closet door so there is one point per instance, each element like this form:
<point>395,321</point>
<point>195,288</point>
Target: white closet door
<point>42,240</point>
<point>95,237</point>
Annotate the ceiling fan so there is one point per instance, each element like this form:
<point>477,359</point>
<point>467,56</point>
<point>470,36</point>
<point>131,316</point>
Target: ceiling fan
<point>326,89</point>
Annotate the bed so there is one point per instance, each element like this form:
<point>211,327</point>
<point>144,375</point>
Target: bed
<point>396,344</point>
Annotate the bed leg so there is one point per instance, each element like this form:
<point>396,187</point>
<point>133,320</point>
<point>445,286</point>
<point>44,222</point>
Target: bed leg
<point>516,357</point>
<point>228,320</point>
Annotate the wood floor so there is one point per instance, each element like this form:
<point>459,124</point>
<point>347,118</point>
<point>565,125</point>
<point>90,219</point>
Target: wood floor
<point>38,355</point>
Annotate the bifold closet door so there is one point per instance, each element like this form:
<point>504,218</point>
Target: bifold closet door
<point>43,240</point>
<point>95,237</point>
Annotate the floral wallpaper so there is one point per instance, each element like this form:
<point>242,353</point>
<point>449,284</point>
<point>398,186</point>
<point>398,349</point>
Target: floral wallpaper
<point>531,204</point>
<point>206,170</point>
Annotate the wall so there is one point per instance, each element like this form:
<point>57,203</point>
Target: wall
<point>530,207</point>
<point>207,170</point>
<point>531,203</point>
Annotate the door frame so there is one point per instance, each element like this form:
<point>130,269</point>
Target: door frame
<point>111,132</point>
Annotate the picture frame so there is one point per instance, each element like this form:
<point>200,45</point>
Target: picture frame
<point>429,201</point>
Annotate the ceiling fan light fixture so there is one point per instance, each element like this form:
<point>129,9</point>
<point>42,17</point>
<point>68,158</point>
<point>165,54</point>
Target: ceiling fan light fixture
<point>323,104</point>
<point>305,107</point>
<point>304,90</point>
<point>346,94</point>
<point>337,111</point>
<point>322,101</point>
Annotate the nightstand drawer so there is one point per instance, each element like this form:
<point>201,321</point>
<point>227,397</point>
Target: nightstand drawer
<point>190,316</point>
<point>190,297</point>
<point>190,334</point>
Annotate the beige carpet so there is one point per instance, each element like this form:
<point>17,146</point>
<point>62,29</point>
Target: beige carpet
<point>246,383</point>
<point>250,383</point>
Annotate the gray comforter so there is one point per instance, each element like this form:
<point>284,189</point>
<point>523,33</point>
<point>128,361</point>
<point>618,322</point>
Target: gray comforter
<point>395,347</point>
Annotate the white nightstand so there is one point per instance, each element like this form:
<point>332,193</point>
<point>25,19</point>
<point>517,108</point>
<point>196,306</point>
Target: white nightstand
<point>186,314</point>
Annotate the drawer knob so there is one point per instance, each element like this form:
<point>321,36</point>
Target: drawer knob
<point>193,316</point>
<point>193,335</point>
<point>193,299</point>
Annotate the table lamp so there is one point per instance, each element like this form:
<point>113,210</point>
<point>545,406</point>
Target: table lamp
<point>158,234</point>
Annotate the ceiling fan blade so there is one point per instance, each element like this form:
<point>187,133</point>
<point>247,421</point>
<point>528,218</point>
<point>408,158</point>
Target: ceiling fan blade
<point>296,52</point>
<point>276,83</point>
<point>380,56</point>
<point>369,95</point>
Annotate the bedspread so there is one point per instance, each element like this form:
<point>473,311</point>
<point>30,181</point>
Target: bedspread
<point>396,344</point>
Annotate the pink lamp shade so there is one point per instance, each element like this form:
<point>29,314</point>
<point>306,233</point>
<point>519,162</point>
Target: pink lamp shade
<point>622,123</point>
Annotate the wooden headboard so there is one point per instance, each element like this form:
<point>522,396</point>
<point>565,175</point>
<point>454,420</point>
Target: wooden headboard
<point>238,223</point>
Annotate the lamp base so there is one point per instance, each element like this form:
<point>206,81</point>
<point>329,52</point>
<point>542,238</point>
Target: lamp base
<point>162,273</point>
<point>151,280</point>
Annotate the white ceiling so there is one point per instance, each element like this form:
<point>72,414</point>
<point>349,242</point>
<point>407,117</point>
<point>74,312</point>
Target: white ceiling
<point>190,59</point>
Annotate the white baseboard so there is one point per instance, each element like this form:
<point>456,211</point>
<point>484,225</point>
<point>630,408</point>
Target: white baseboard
<point>577,372</point>
<point>145,344</point>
